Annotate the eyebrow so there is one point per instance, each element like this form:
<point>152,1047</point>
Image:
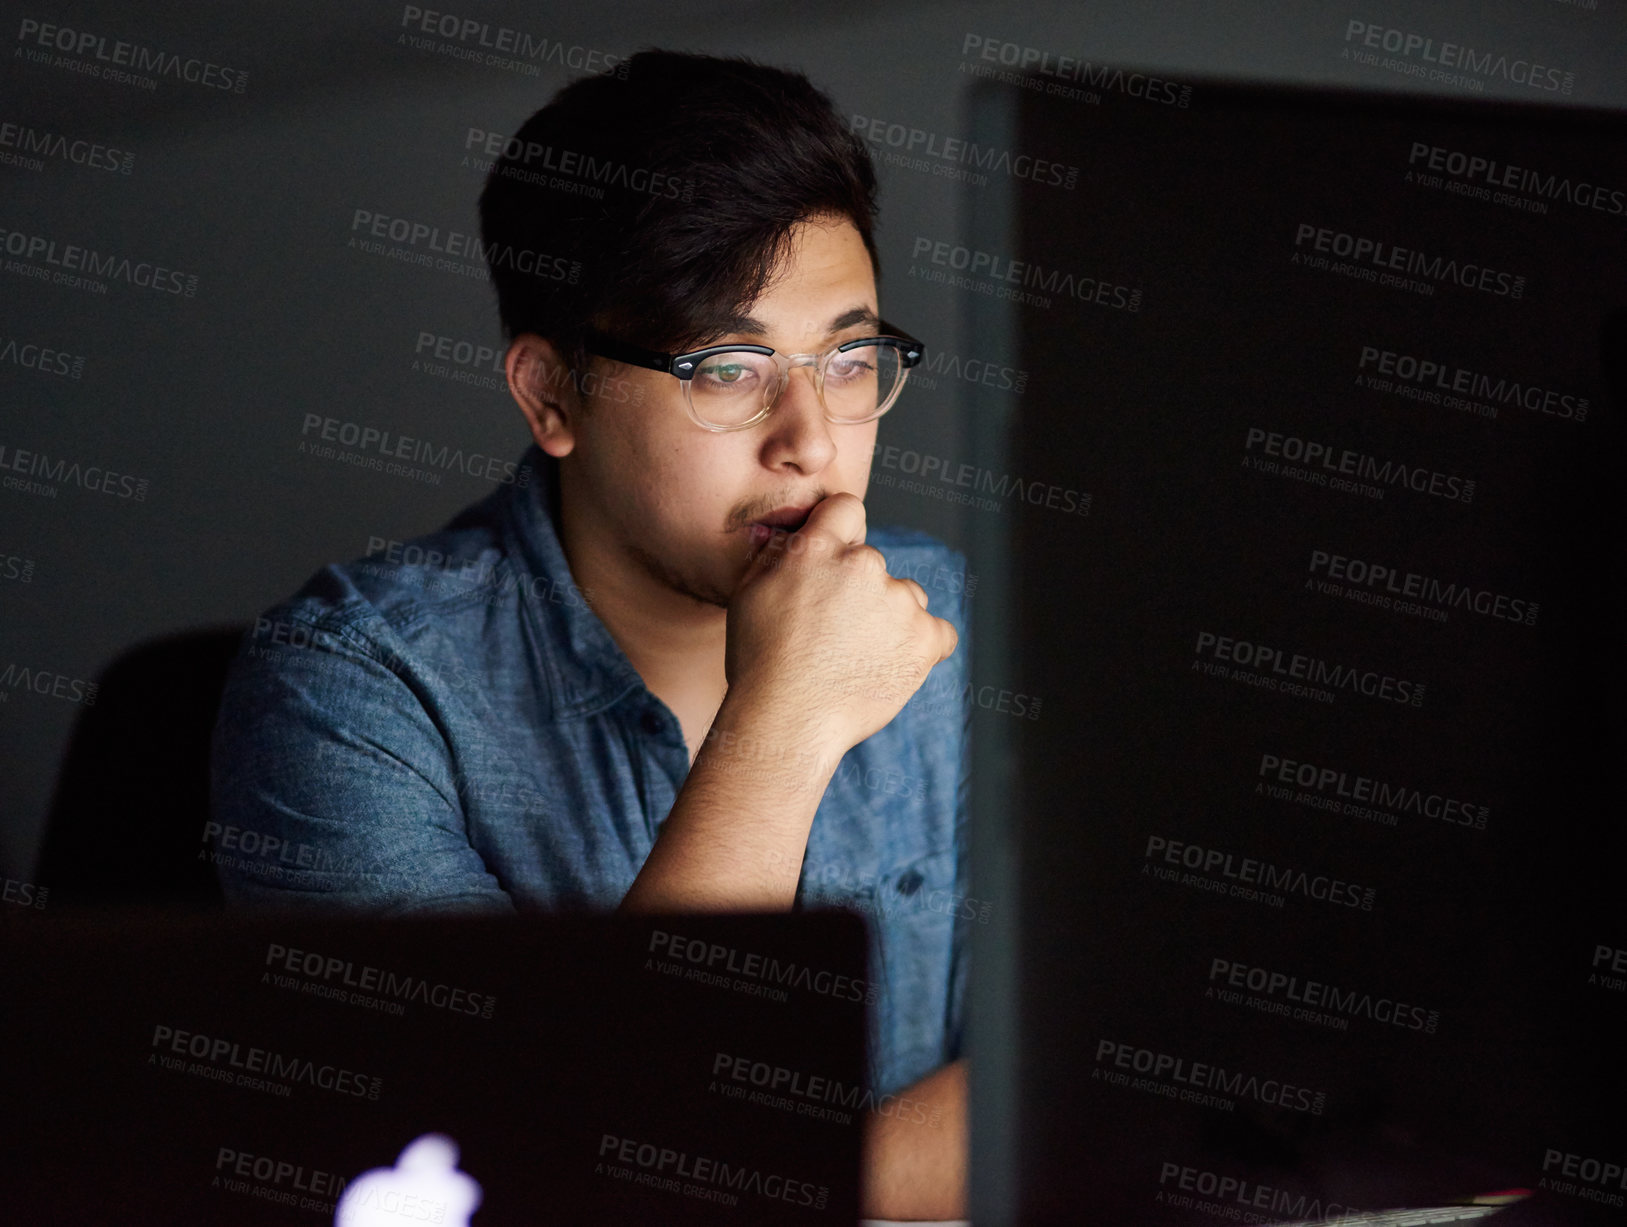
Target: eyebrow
<point>847,319</point>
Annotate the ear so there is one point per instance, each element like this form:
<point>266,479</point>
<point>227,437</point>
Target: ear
<point>541,385</point>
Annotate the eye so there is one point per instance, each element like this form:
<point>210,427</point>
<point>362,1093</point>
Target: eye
<point>726,373</point>
<point>855,364</point>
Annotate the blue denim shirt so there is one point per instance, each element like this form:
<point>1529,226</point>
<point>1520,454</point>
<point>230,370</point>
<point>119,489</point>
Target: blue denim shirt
<point>448,725</point>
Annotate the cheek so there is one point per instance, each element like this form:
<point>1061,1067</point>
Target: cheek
<point>696,481</point>
<point>647,462</point>
<point>856,456</point>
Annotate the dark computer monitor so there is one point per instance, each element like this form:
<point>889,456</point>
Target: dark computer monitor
<point>1316,846</point>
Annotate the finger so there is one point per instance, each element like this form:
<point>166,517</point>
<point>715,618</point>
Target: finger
<point>840,517</point>
<point>763,558</point>
<point>916,591</point>
<point>948,638</point>
<point>867,567</point>
<point>766,557</point>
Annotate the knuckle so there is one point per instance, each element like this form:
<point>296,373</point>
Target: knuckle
<point>869,557</point>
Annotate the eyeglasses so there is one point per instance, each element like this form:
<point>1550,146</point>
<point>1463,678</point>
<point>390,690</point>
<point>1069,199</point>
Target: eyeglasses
<point>731,387</point>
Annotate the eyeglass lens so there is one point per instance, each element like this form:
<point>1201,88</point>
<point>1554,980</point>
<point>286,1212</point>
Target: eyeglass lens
<point>735,386</point>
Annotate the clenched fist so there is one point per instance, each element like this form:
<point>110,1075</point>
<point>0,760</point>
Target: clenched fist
<point>821,635</point>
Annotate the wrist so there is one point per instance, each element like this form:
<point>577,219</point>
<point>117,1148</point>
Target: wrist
<point>769,733</point>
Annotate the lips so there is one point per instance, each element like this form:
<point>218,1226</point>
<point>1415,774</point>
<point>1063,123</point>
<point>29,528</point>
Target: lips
<point>781,519</point>
<point>788,518</point>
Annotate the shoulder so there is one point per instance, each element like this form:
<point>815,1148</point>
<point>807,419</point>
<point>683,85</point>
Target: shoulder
<point>938,568</point>
<point>386,613</point>
<point>401,583</point>
<point>892,539</point>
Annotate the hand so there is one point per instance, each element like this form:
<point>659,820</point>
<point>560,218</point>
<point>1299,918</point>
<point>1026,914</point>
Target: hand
<point>822,637</point>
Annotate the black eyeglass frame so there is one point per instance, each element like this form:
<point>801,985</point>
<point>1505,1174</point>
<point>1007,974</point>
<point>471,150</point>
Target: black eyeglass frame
<point>683,367</point>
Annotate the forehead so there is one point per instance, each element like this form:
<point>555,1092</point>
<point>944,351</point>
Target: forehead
<point>825,285</point>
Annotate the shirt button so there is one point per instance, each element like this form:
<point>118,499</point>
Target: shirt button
<point>909,883</point>
<point>651,722</point>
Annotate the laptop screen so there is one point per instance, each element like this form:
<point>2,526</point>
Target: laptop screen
<point>570,1068</point>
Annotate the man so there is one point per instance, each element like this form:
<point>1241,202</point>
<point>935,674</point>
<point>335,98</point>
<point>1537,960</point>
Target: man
<point>667,667</point>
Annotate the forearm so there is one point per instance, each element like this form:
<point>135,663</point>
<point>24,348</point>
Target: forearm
<point>915,1169</point>
<point>736,834</point>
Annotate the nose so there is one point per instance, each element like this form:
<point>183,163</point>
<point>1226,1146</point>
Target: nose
<point>798,434</point>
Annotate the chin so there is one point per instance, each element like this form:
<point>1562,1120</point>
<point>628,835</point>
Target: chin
<point>719,596</point>
<point>709,577</point>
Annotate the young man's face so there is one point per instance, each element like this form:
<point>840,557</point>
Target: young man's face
<point>679,500</point>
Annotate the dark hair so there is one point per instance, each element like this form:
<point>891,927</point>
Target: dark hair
<point>656,202</point>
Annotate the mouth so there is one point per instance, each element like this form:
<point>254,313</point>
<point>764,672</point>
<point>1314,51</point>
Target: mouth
<point>780,520</point>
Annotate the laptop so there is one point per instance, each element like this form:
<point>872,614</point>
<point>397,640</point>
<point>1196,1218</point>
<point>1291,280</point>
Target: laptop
<point>571,1068</point>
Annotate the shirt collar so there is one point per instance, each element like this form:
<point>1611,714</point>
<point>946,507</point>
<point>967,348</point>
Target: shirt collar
<point>586,669</point>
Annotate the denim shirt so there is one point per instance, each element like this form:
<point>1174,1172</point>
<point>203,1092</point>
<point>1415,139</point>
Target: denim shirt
<point>448,725</point>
